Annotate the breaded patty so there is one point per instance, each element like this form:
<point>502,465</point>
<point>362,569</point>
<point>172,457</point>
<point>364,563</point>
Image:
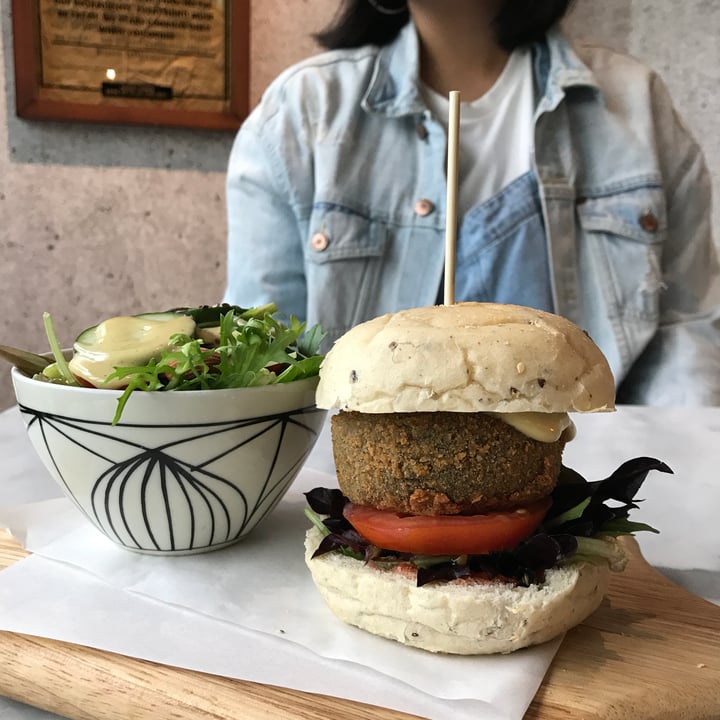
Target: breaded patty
<point>440,463</point>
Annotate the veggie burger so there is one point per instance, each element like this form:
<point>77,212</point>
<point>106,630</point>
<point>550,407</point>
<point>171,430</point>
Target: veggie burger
<point>456,528</point>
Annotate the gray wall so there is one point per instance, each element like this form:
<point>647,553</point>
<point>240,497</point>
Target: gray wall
<point>103,220</point>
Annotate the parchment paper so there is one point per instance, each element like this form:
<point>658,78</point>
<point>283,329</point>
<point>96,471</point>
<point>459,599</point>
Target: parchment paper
<point>249,611</point>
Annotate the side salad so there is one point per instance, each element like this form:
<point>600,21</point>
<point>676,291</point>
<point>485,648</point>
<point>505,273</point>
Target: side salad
<point>199,348</point>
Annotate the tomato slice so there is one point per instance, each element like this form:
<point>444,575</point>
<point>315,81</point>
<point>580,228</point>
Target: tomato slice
<point>446,534</point>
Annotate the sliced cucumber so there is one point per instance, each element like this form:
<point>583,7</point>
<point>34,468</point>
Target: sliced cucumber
<point>129,341</point>
<point>88,336</point>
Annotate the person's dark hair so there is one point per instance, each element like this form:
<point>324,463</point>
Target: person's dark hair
<point>519,22</point>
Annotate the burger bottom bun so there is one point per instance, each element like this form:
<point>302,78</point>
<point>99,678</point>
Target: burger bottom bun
<point>457,617</point>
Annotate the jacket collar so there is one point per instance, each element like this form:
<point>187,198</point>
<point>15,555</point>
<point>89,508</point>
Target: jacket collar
<point>393,88</point>
<point>557,69</point>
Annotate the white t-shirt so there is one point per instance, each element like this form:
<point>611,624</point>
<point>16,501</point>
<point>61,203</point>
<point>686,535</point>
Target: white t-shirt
<point>496,131</point>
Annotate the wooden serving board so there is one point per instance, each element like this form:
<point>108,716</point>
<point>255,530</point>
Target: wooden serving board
<point>651,652</point>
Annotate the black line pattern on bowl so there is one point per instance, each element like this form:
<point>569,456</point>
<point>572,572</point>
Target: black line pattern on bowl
<point>154,470</point>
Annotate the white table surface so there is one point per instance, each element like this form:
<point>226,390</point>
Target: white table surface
<point>683,506</point>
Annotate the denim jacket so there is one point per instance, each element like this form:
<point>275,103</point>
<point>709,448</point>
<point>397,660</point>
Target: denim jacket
<point>336,207</point>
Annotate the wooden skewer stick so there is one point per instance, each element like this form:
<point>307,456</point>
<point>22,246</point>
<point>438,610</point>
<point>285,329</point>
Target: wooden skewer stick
<point>452,193</point>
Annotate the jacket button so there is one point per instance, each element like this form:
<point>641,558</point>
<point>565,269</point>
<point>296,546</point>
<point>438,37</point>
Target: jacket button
<point>318,242</point>
<point>421,131</point>
<point>423,207</point>
<point>648,222</point>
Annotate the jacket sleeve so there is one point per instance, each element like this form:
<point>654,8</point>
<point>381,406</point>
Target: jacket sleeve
<point>264,251</point>
<point>681,364</point>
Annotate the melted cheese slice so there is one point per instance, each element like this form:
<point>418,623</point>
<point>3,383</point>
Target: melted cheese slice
<point>123,342</point>
<point>545,427</point>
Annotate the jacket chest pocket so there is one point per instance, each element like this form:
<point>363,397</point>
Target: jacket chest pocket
<point>624,235</point>
<point>344,258</point>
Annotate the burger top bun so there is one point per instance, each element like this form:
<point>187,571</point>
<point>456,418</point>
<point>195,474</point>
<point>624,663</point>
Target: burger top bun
<point>468,357</point>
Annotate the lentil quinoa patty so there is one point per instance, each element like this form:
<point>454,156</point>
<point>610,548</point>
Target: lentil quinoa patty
<point>440,463</point>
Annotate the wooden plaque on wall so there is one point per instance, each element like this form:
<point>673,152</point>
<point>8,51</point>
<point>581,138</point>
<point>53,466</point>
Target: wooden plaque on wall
<point>149,62</point>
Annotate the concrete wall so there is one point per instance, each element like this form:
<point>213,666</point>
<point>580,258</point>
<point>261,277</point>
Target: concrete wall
<point>104,220</point>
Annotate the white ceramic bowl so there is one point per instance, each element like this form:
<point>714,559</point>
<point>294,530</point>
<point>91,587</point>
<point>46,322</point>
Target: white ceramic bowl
<point>182,472</point>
